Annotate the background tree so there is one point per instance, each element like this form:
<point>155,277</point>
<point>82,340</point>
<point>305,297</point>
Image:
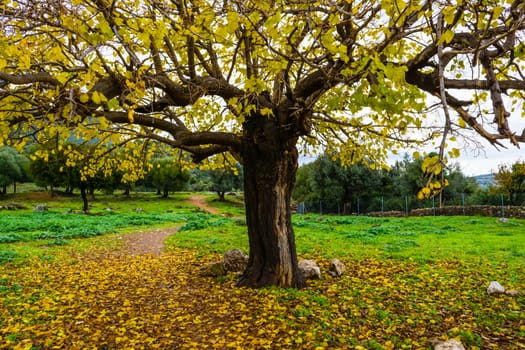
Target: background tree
<point>510,180</point>
<point>167,175</point>
<point>50,167</point>
<point>48,171</point>
<point>13,168</point>
<point>223,180</point>
<point>304,189</point>
<point>256,79</point>
<point>327,181</point>
<point>460,187</point>
<point>345,186</point>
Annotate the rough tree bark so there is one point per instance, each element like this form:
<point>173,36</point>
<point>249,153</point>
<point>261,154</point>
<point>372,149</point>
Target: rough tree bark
<point>270,162</point>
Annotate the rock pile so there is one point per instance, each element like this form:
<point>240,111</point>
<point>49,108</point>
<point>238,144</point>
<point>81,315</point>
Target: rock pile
<point>236,260</point>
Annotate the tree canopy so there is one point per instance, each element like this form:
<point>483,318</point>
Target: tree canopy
<point>350,76</point>
<point>167,175</point>
<point>13,167</point>
<point>511,180</point>
<point>257,80</point>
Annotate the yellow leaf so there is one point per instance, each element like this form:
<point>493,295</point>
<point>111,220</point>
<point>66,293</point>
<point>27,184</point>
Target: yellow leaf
<point>446,37</point>
<point>462,123</point>
<point>130,115</point>
<point>84,98</point>
<point>95,98</point>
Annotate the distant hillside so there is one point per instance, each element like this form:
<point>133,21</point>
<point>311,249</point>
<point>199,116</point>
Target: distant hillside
<point>485,180</point>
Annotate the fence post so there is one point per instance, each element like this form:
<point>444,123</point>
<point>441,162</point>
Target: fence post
<point>320,207</point>
<point>382,205</point>
<point>301,208</point>
<point>502,206</point>
<point>358,209</point>
<point>463,202</point>
<point>434,205</point>
<point>406,205</point>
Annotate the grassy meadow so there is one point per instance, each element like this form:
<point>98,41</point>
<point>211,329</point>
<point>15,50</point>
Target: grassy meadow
<point>64,282</point>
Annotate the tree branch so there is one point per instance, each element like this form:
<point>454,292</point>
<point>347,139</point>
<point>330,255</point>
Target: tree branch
<point>181,135</point>
<point>20,79</point>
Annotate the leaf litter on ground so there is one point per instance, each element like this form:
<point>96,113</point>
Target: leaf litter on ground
<point>113,300</point>
<point>386,300</point>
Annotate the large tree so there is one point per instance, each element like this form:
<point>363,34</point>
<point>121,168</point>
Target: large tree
<point>258,79</point>
<point>510,179</point>
<point>13,167</point>
<point>166,175</point>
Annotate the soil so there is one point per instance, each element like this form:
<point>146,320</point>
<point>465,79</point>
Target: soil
<point>152,241</point>
<point>200,202</point>
<point>147,242</point>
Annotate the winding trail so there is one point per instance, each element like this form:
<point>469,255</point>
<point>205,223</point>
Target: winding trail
<point>147,242</point>
<point>152,241</point>
<point>200,202</point>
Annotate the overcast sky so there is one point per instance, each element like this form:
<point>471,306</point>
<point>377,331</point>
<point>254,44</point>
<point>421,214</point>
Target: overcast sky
<point>488,161</point>
<point>474,161</point>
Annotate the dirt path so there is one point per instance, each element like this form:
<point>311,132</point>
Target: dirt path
<point>200,201</point>
<point>147,242</point>
<point>152,241</point>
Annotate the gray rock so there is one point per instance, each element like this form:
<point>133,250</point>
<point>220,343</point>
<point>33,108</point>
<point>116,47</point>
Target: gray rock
<point>495,288</point>
<point>215,269</point>
<point>450,344</point>
<point>337,268</point>
<point>310,269</point>
<point>40,207</point>
<point>235,260</point>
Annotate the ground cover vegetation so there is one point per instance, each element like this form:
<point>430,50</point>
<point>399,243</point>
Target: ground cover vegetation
<point>409,280</point>
<point>108,82</point>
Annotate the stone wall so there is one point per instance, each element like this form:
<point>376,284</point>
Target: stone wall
<point>479,210</point>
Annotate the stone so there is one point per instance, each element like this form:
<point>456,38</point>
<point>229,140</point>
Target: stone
<point>503,220</point>
<point>13,206</point>
<point>337,268</point>
<point>40,207</point>
<point>495,288</point>
<point>235,260</point>
<point>512,292</point>
<point>451,344</point>
<point>310,269</point>
<point>215,269</point>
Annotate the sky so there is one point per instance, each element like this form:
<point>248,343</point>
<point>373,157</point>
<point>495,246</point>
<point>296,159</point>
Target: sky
<point>484,160</point>
<point>488,160</point>
<point>473,161</point>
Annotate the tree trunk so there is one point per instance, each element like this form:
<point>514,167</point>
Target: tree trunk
<point>270,162</point>
<point>85,207</point>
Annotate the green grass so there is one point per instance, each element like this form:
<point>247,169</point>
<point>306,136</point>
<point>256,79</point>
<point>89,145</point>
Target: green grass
<point>421,239</point>
<point>25,234</point>
<point>232,206</point>
<point>407,278</point>
<point>498,247</point>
